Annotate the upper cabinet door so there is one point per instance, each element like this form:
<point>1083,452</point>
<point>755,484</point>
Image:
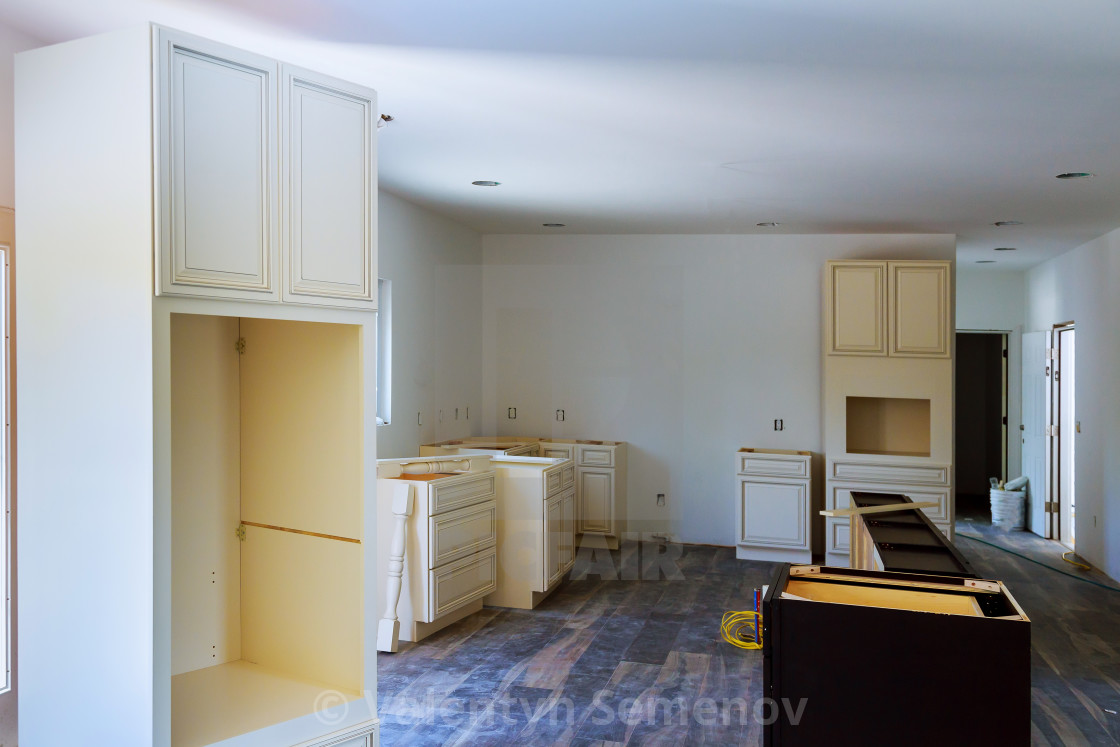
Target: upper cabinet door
<point>216,170</point>
<point>329,191</point>
<point>855,308</point>
<point>919,304</point>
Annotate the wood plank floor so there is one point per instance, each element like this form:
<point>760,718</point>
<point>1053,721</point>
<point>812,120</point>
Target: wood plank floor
<point>615,659</point>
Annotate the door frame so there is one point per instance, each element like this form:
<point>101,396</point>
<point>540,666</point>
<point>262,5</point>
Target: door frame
<point>1056,426</point>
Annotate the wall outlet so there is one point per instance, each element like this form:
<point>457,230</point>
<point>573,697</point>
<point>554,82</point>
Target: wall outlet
<point>456,413</point>
<point>660,499</point>
<point>511,413</point>
<point>778,425</point>
<point>419,418</point>
<point>560,416</point>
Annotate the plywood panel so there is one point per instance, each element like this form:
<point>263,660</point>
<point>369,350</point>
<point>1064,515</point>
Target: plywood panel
<point>205,493</point>
<point>301,605</point>
<point>301,426</point>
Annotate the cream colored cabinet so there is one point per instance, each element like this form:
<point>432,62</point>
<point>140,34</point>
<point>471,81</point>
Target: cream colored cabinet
<point>895,308</point>
<point>536,503</point>
<point>856,304</point>
<point>451,560</point>
<point>918,299</point>
<point>600,491</point>
<point>256,205</point>
<point>919,481</point>
<point>774,503</point>
<point>330,169</point>
<point>596,496</point>
<point>217,169</point>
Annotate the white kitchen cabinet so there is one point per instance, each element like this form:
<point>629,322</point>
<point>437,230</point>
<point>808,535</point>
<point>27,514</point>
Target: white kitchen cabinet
<point>216,110</point>
<point>256,205</point>
<point>596,501</point>
<point>535,533</point>
<point>919,481</point>
<point>187,634</point>
<point>451,559</point>
<point>330,171</point>
<point>601,491</point>
<point>774,505</point>
<point>888,308</point>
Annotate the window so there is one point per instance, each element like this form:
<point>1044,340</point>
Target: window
<point>384,385</point>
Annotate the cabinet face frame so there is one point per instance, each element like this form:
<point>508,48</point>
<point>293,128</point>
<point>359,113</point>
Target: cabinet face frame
<point>360,289</point>
<point>904,305</point>
<point>174,275</point>
<point>869,325</point>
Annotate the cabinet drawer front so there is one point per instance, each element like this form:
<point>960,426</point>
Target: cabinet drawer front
<point>462,582</point>
<point>596,456</point>
<point>774,513</point>
<point>567,476</point>
<point>329,232</point>
<point>901,474</point>
<point>554,482</point>
<point>447,497</point>
<point>557,451</point>
<point>775,465</point>
<point>839,496</point>
<point>456,534</point>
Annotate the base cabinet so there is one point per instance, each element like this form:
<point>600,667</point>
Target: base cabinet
<point>774,505</point>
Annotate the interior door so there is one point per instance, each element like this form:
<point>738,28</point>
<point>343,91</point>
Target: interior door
<point>1036,417</point>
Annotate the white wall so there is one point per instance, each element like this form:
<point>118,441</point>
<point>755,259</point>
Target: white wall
<point>994,300</point>
<point>435,266</point>
<point>687,347</point>
<point>11,41</point>
<point>1082,286</point>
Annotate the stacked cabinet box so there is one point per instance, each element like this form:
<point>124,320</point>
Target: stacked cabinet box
<point>774,505</point>
<point>888,386</point>
<point>865,657</point>
<point>451,560</point>
<point>536,523</point>
<point>225,499</point>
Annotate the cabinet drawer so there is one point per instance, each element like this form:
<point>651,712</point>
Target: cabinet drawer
<point>456,534</point>
<point>774,465</point>
<point>567,476</point>
<point>557,451</point>
<point>595,456</point>
<point>462,582</point>
<point>839,496</point>
<point>899,474</point>
<point>447,497</point>
<point>554,482</point>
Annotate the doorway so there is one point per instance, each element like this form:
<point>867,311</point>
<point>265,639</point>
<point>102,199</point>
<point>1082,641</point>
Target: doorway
<point>1063,415</point>
<point>980,442</point>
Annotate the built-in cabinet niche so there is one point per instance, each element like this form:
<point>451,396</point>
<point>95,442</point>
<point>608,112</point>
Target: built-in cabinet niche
<point>266,522</point>
<point>893,426</point>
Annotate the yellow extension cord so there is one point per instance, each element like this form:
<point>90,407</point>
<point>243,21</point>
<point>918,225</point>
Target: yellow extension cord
<point>742,629</point>
<point>1082,566</point>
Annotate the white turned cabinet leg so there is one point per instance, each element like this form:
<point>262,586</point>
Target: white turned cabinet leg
<point>388,629</point>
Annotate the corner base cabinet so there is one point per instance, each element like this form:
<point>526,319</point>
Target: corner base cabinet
<point>774,505</point>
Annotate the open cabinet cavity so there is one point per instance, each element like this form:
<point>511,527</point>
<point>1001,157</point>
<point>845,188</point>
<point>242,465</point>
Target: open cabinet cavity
<point>266,524</point>
<point>893,426</point>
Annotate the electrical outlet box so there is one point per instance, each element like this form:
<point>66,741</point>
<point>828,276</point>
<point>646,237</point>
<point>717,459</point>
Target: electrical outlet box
<point>660,499</point>
<point>778,426</point>
<point>511,413</point>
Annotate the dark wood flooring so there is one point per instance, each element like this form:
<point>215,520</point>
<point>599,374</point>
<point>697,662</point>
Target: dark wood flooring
<point>615,659</point>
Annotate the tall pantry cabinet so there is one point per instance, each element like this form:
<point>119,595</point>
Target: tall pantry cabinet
<point>199,231</point>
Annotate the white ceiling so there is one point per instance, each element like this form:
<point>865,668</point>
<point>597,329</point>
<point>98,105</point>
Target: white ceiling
<point>710,116</point>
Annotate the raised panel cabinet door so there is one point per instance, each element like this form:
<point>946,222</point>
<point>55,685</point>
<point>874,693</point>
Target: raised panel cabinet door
<point>774,513</point>
<point>919,309</point>
<point>216,170</point>
<point>554,540</point>
<point>567,530</point>
<point>596,501</point>
<point>855,308</point>
<point>330,191</point>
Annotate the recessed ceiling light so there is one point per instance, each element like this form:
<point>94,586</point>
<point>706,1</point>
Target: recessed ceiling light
<point>985,261</point>
<point>554,225</point>
<point>767,224</point>
<point>1009,223</point>
<point>1005,248</point>
<point>1076,175</point>
<point>485,183</point>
